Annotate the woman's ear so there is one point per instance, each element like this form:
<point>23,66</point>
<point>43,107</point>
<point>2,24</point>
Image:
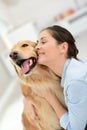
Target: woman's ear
<point>64,47</point>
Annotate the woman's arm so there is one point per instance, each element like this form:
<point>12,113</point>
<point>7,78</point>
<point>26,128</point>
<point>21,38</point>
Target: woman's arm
<point>55,103</point>
<point>76,97</point>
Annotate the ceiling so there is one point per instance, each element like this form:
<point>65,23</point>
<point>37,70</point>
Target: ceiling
<point>41,12</point>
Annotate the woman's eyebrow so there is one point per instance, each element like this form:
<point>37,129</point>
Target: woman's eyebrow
<point>42,38</point>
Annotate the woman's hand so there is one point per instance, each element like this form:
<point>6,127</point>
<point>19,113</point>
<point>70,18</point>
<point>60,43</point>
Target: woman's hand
<point>30,109</point>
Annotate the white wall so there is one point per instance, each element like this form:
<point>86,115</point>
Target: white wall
<point>81,41</point>
<point>4,75</point>
<point>42,12</point>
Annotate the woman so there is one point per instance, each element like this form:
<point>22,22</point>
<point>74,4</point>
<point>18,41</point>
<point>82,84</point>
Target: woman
<point>56,49</point>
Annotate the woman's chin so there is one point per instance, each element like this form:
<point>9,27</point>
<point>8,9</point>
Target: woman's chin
<point>40,61</point>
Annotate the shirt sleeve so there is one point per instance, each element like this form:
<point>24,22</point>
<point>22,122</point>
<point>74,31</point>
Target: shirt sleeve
<point>76,98</point>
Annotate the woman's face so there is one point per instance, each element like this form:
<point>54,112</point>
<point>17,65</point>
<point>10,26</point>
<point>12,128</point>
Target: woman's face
<point>48,49</point>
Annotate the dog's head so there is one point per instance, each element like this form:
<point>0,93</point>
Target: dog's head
<point>23,56</point>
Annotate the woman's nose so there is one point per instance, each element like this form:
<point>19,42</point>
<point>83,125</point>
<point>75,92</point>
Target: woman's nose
<point>37,47</point>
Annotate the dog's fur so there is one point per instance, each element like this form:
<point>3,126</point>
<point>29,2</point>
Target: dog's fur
<point>37,77</point>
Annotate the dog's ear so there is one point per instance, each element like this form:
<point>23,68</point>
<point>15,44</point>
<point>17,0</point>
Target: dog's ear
<point>34,44</point>
<point>25,90</point>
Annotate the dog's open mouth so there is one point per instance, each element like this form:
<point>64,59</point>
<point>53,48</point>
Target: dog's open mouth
<point>26,64</point>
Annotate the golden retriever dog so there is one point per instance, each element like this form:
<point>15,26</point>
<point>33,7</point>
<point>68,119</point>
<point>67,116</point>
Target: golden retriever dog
<point>35,76</point>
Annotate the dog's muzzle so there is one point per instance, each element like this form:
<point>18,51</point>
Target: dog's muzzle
<point>26,65</point>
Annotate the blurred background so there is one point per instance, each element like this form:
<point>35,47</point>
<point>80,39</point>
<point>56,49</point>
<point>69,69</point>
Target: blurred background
<point>23,19</point>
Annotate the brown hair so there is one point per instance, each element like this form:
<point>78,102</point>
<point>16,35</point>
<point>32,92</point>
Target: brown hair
<point>61,35</point>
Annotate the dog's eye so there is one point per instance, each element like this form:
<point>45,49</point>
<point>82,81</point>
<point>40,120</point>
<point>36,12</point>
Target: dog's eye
<point>24,45</point>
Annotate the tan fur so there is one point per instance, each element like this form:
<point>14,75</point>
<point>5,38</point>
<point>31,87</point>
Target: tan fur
<point>41,78</point>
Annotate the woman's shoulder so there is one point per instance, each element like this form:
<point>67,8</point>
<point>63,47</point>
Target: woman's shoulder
<point>75,63</point>
<point>76,70</point>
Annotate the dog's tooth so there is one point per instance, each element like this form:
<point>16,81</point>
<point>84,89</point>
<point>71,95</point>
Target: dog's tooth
<point>22,66</point>
<point>30,62</point>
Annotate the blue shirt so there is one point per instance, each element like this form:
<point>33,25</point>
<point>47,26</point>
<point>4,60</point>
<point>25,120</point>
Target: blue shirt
<point>74,83</point>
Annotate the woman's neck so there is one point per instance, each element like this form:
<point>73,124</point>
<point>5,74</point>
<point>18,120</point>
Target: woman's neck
<point>57,67</point>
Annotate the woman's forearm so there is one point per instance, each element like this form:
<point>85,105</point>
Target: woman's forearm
<point>56,105</point>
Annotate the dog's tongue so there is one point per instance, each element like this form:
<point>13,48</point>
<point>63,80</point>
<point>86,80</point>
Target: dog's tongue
<point>26,66</point>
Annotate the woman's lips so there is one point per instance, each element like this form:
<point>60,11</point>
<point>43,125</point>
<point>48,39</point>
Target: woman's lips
<point>41,53</point>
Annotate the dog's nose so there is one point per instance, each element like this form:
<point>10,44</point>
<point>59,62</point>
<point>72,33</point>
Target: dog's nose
<point>13,55</point>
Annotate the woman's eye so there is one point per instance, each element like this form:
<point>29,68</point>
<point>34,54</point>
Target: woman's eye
<point>24,45</point>
<point>43,42</point>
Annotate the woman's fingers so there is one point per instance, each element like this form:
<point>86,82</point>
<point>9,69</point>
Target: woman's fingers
<point>30,109</point>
